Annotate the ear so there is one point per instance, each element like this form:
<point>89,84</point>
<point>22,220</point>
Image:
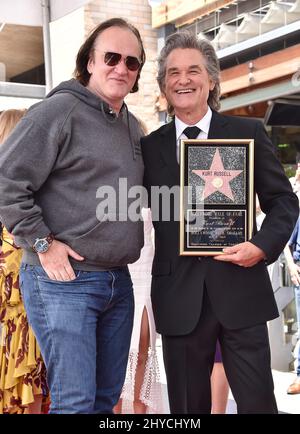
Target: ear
<point>89,65</point>
<point>211,84</point>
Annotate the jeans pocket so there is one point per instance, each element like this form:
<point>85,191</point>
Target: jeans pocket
<point>41,275</point>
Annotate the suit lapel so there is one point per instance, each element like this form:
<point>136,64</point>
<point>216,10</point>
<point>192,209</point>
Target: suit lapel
<point>219,128</point>
<point>168,151</point>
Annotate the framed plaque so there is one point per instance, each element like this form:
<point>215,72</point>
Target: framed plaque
<point>216,194</point>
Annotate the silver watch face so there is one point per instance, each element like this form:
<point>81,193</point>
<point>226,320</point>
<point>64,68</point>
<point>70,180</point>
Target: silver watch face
<point>41,245</point>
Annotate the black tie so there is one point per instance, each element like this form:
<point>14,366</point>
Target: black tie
<point>191,132</point>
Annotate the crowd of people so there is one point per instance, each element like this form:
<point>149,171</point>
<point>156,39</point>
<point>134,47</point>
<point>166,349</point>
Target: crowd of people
<point>85,292</point>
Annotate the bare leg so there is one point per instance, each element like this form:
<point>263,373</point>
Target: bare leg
<point>118,407</point>
<point>36,406</point>
<point>138,405</point>
<point>219,389</point>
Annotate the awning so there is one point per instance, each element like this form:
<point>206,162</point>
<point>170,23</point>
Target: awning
<point>267,93</point>
<point>284,112</point>
<point>254,24</point>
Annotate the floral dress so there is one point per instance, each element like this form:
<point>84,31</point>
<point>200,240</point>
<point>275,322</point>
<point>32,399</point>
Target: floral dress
<point>22,370</point>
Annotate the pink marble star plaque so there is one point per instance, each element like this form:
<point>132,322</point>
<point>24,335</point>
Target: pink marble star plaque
<point>217,178</point>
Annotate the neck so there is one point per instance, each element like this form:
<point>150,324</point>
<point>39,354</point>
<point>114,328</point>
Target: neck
<point>115,105</point>
<point>189,117</point>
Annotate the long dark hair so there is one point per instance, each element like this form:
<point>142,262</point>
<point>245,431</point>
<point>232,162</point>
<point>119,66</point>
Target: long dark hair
<point>86,50</point>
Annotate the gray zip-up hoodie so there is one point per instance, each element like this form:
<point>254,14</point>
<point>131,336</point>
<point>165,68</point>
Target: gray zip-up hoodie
<point>51,167</point>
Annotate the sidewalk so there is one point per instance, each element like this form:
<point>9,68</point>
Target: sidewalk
<point>286,403</point>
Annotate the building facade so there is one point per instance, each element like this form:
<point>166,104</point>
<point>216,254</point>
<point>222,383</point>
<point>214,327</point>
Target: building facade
<point>22,56</point>
<point>258,46</point>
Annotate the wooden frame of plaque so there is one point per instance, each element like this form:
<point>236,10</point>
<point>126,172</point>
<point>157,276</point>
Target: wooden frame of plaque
<point>216,194</point>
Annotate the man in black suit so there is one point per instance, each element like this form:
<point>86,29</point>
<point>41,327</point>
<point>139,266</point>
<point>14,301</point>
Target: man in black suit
<point>197,300</point>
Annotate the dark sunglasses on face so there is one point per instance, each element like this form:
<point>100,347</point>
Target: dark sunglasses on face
<point>112,59</point>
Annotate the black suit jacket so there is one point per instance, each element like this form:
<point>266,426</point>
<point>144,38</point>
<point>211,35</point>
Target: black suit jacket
<point>240,297</point>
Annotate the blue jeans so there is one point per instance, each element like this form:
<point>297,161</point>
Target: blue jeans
<point>297,302</point>
<point>83,328</point>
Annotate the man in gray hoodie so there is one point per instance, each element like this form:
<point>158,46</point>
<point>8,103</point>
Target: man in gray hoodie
<point>74,277</point>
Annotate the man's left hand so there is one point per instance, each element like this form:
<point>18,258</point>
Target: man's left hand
<point>244,254</point>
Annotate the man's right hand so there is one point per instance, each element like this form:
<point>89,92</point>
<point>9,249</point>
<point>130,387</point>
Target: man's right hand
<point>294,270</point>
<point>56,261</point>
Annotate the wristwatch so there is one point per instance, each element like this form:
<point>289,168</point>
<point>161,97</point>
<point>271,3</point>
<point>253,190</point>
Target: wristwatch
<point>41,245</point>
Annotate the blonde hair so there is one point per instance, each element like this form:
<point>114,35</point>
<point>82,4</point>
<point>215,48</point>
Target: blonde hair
<point>8,121</point>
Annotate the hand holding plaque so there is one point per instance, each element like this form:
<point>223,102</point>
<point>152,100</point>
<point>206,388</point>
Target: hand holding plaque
<point>216,200</point>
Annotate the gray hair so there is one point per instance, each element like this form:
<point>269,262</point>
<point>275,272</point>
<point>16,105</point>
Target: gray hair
<point>186,39</point>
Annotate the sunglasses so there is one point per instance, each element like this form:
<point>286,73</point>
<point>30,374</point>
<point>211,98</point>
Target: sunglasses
<point>112,59</point>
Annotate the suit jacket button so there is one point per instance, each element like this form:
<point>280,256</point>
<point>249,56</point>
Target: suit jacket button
<point>199,258</point>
